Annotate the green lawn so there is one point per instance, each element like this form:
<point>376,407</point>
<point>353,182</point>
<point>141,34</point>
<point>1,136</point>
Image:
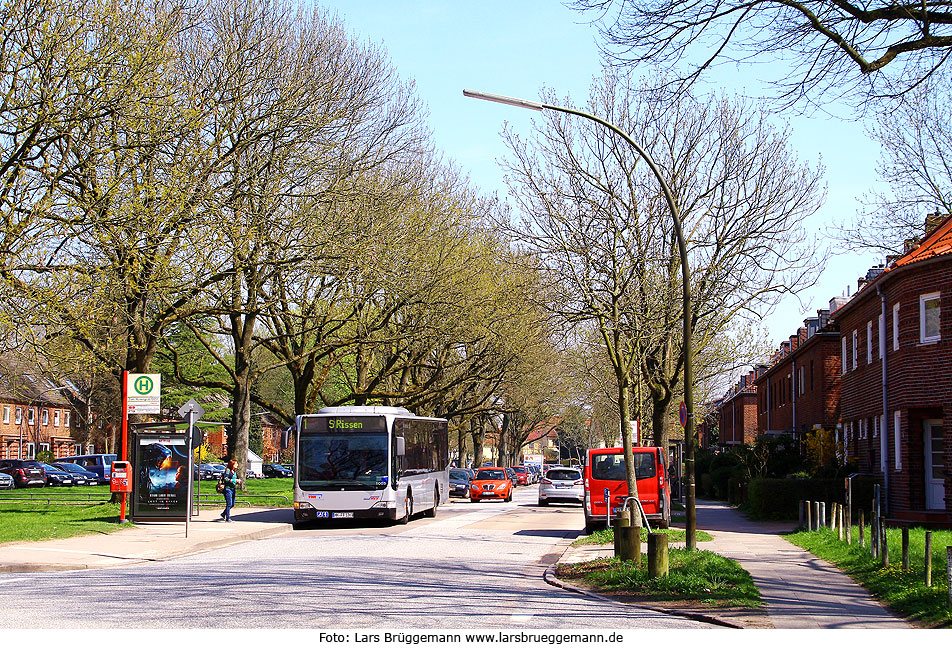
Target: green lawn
<point>700,576</point>
<point>21,520</point>
<point>607,536</point>
<point>24,521</point>
<point>904,592</point>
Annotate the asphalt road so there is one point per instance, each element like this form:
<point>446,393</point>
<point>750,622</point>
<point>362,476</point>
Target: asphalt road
<point>476,566</point>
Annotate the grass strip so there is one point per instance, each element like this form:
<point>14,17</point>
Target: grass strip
<point>24,521</point>
<point>607,536</point>
<point>903,591</point>
<point>699,576</point>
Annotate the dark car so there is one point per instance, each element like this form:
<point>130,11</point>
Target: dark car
<point>25,472</point>
<point>209,471</point>
<point>460,479</point>
<point>275,470</point>
<point>512,477</point>
<point>56,476</point>
<point>81,476</point>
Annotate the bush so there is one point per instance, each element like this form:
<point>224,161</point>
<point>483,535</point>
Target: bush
<point>778,499</point>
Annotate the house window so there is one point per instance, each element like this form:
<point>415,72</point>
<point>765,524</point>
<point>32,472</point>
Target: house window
<point>875,427</point>
<point>46,417</point>
<point>929,318</point>
<point>6,413</point>
<point>78,449</point>
<point>897,444</point>
<point>869,343</point>
<point>29,451</point>
<point>800,381</point>
<point>66,418</point>
<point>90,448</point>
<point>19,416</point>
<point>44,447</point>
<point>881,336</point>
<point>843,355</point>
<point>31,416</point>
<point>896,327</point>
<point>855,348</point>
<point>56,418</point>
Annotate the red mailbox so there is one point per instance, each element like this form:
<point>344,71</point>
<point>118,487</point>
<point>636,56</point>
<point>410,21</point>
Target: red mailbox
<point>121,480</point>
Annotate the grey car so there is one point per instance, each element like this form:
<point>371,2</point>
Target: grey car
<point>6,482</point>
<point>561,485</point>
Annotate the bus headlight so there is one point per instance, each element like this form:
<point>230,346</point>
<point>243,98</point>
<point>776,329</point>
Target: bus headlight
<point>303,505</point>
<point>382,504</point>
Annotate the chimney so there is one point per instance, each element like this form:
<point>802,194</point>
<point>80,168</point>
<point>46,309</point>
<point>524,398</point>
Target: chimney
<point>861,283</point>
<point>837,303</point>
<point>823,314</point>
<point>794,343</point>
<point>811,325</point>
<point>874,272</point>
<point>933,221</point>
<point>909,245</point>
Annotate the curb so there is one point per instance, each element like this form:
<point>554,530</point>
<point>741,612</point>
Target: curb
<point>550,578</point>
<point>28,568</point>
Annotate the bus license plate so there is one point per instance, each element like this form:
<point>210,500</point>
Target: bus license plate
<point>346,514</point>
<point>322,514</point>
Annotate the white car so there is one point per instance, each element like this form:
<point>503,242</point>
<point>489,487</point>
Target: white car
<point>561,485</point>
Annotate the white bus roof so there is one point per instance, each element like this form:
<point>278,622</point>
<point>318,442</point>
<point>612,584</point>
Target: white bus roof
<point>365,409</point>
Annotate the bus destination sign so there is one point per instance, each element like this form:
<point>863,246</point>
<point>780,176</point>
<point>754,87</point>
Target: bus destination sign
<point>325,424</point>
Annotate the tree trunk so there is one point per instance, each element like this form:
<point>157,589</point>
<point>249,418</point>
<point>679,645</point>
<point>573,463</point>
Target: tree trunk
<point>624,408</point>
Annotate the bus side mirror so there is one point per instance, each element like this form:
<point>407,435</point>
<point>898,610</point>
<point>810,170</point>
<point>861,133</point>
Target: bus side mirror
<point>401,446</point>
<point>286,437</point>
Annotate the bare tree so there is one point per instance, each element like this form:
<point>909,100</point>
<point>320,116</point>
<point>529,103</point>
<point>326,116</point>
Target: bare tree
<point>915,170</point>
<point>841,48</point>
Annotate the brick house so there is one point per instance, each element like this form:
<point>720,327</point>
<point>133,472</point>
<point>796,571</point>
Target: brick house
<point>36,416</point>
<point>799,390</point>
<point>896,364</point>
<point>737,413</point>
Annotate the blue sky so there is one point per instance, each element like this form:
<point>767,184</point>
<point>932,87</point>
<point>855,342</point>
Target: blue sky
<point>517,47</point>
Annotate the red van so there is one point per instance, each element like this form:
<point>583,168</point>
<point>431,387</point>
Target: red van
<point>605,468</point>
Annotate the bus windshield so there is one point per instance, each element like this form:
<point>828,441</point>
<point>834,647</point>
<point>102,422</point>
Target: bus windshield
<point>349,461</point>
<point>611,467</point>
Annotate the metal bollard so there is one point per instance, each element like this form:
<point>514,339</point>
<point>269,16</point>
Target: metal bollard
<point>816,516</point>
<point>809,515</point>
<point>928,558</point>
<point>822,517</point>
<point>905,549</point>
<point>657,554</point>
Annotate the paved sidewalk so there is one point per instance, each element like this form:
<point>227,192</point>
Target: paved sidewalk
<point>144,542</point>
<point>800,590</point>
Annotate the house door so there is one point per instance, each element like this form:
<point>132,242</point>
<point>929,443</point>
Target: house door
<point>935,463</point>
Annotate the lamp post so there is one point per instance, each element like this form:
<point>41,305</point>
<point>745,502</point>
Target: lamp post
<point>691,521</point>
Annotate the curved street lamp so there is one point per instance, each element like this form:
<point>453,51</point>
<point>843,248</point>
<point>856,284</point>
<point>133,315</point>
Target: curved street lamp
<point>691,521</point>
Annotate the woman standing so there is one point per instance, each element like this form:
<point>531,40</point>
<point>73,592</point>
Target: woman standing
<point>230,481</point>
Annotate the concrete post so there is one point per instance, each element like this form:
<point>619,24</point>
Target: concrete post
<point>840,512</point>
<point>848,523</point>
<point>822,516</point>
<point>809,515</point>
<point>657,555</point>
<point>928,558</point>
<point>816,516</point>
<point>905,549</point>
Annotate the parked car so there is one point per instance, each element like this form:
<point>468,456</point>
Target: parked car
<point>81,476</point>
<point>605,471</point>
<point>210,471</point>
<point>6,482</point>
<point>25,472</point>
<point>491,483</point>
<point>101,464</point>
<point>56,476</point>
<point>512,476</point>
<point>522,475</point>
<point>275,470</point>
<point>460,479</point>
<point>251,474</point>
<point>289,467</point>
<point>562,485</point>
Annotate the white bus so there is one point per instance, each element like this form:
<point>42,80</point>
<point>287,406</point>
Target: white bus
<point>370,463</point>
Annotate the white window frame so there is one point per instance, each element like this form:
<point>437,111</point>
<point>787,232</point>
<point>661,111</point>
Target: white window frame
<point>77,448</point>
<point>869,342</point>
<point>875,427</point>
<point>30,450</point>
<point>19,416</point>
<point>6,413</point>
<point>31,416</point>
<point>44,447</point>
<point>923,300</point>
<point>65,418</point>
<point>56,418</point>
<point>895,327</point>
<point>843,365</point>
<point>855,349</point>
<point>897,440</point>
<point>45,417</point>
<point>90,448</point>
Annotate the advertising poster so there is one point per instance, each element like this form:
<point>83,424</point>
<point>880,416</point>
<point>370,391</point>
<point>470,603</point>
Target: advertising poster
<point>160,490</point>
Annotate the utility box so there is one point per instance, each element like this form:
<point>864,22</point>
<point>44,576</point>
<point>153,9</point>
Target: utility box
<point>121,480</point>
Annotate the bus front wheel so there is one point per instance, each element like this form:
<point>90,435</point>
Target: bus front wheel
<point>408,513</point>
<point>436,502</point>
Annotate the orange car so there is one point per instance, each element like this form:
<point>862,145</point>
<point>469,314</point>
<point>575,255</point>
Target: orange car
<point>491,483</point>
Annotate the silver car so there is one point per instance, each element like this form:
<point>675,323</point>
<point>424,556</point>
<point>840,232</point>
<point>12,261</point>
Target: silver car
<point>561,485</point>
<point>6,481</point>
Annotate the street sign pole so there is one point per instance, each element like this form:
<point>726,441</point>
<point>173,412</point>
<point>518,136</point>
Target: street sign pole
<point>125,439</point>
<point>191,412</point>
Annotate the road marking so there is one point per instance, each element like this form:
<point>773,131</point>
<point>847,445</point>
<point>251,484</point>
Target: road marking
<point>521,618</point>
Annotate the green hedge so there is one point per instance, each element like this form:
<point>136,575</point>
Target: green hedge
<point>778,499</point>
